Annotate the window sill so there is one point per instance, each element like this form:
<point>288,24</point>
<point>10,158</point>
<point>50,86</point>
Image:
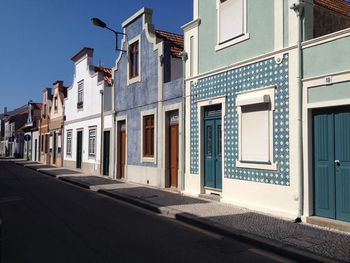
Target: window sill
<point>134,80</point>
<point>148,160</point>
<point>233,41</point>
<point>259,166</point>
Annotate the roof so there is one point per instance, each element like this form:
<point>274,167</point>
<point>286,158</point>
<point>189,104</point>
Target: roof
<point>82,52</point>
<point>107,74</point>
<point>339,6</point>
<point>176,41</point>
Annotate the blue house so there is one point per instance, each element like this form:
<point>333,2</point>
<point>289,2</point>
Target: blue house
<point>148,103</point>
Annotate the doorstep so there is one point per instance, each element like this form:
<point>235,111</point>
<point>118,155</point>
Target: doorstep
<point>329,223</point>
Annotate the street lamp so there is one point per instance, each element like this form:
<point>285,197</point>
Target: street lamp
<point>98,22</point>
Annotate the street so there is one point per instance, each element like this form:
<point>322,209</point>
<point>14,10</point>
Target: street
<point>47,220</point>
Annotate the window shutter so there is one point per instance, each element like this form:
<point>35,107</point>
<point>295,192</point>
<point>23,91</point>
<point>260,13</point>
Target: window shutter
<point>255,133</point>
<point>230,19</point>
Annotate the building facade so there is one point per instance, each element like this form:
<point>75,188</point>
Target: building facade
<point>44,126</point>
<point>56,123</point>
<point>247,66</point>
<point>148,102</point>
<point>89,123</point>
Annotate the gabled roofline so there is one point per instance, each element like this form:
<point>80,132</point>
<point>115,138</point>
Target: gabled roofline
<point>139,13</point>
<point>82,52</point>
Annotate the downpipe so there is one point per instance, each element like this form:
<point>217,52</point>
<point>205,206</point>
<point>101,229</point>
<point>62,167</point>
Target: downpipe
<point>298,8</point>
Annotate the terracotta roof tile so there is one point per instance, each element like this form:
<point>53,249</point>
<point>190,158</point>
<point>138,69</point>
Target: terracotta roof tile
<point>176,41</point>
<point>339,6</point>
<point>107,74</point>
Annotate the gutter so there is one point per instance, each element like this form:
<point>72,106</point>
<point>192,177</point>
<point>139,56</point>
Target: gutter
<point>298,8</point>
<point>184,57</point>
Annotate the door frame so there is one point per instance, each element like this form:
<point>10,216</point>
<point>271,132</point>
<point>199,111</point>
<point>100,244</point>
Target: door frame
<point>201,105</point>
<point>181,177</point>
<point>307,133</point>
<point>118,121</point>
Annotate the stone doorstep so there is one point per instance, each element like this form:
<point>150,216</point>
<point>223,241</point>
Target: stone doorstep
<point>49,169</point>
<point>328,223</point>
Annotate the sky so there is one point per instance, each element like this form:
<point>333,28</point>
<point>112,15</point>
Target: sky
<point>38,38</point>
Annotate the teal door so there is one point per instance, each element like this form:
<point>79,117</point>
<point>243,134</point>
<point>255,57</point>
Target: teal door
<point>212,147</point>
<point>332,162</point>
<point>106,149</point>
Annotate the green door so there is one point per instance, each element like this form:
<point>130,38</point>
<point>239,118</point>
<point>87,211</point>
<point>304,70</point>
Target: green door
<point>79,148</point>
<point>212,147</point>
<point>106,149</point>
<point>332,162</point>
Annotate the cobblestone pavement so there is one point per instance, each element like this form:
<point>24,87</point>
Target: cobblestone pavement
<point>308,238</point>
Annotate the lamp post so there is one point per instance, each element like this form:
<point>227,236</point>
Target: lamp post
<point>98,22</point>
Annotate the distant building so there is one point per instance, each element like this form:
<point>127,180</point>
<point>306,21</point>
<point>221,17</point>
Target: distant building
<point>88,117</point>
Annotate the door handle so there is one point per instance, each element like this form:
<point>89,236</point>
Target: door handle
<point>337,162</point>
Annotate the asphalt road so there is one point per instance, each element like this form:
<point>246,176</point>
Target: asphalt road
<point>47,220</point>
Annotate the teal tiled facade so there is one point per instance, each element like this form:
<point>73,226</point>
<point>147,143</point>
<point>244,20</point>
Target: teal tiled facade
<point>228,84</point>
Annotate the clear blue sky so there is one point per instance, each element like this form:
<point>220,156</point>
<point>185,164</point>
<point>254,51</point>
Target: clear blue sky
<point>38,38</point>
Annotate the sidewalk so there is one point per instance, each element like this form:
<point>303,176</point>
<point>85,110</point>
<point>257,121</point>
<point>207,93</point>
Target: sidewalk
<point>303,242</point>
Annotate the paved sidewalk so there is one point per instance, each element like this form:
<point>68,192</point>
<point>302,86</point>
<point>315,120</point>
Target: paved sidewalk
<point>302,241</point>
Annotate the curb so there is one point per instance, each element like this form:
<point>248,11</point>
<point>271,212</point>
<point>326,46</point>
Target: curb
<point>82,185</point>
<point>268,244</point>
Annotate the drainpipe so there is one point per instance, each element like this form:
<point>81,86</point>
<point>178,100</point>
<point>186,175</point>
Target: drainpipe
<point>184,57</point>
<point>102,127</point>
<point>298,8</point>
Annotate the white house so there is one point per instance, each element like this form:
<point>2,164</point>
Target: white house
<point>84,129</point>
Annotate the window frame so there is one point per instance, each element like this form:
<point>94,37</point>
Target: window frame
<point>149,158</point>
<point>252,97</point>
<point>69,142</point>
<point>136,78</point>
<point>80,94</point>
<point>235,39</point>
<point>92,141</point>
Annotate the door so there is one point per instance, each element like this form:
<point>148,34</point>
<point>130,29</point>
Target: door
<point>79,148</point>
<point>54,148</point>
<point>35,149</point>
<point>106,149</point>
<point>331,128</point>
<point>212,147</point>
<point>122,150</point>
<point>173,153</point>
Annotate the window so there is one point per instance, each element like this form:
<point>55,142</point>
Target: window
<point>56,104</point>
<point>148,136</point>
<point>231,22</point>
<point>92,142</point>
<point>134,60</point>
<point>69,143</point>
<point>255,111</point>
<point>80,103</point>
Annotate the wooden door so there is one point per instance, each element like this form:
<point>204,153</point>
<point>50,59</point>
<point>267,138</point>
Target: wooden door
<point>106,149</point>
<point>173,154</point>
<point>331,129</point>
<point>36,150</point>
<point>54,148</point>
<point>122,150</point>
<point>212,148</point>
<point>79,148</point>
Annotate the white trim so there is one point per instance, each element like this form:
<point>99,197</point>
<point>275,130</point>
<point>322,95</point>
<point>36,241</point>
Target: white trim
<point>250,96</point>
<point>326,38</point>
<point>145,113</point>
<point>138,78</point>
<point>200,108</point>
<point>235,39</point>
<point>136,15</point>
<point>119,119</point>
<point>279,24</point>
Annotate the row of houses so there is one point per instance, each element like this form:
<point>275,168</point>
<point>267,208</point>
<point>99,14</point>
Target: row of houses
<point>250,105</point>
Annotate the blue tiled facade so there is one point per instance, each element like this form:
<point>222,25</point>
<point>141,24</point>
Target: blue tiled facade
<point>228,84</point>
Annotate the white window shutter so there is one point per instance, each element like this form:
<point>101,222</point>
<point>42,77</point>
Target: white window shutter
<point>255,136</point>
<point>230,19</point>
